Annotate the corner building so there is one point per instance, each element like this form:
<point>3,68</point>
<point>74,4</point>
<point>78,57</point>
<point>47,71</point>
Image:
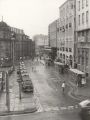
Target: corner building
<point>83,35</point>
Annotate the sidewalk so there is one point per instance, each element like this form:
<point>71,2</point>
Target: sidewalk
<point>81,93</point>
<point>26,104</point>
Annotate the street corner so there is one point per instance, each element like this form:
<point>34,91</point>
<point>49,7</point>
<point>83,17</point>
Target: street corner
<point>26,106</point>
<point>74,95</point>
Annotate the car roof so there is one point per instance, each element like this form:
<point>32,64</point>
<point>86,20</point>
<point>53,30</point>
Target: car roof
<point>84,103</point>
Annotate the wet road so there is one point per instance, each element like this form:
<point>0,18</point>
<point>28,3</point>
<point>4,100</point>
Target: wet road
<point>42,116</point>
<point>48,92</point>
<point>51,103</point>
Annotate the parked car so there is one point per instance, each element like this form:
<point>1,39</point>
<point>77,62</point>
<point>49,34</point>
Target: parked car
<point>27,85</point>
<point>85,109</point>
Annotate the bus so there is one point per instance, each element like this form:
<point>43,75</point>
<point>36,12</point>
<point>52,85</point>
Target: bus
<point>77,76</point>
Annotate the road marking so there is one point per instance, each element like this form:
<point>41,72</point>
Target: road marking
<point>70,107</point>
<point>63,108</point>
<point>56,108</point>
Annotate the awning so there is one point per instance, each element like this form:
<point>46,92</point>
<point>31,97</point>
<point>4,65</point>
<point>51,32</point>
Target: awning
<point>58,63</point>
<point>77,71</point>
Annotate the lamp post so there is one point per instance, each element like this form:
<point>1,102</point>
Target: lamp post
<point>7,92</point>
<point>13,52</point>
<point>20,86</point>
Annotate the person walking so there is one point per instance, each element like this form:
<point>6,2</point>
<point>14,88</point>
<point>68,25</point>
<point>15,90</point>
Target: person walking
<point>63,86</point>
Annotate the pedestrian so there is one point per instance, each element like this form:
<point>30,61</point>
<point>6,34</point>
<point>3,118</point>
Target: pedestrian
<point>32,68</point>
<point>83,81</point>
<point>63,86</point>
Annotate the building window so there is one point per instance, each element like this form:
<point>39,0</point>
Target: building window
<point>82,57</point>
<point>86,2</point>
<point>63,49</point>
<point>78,56</point>
<point>70,49</point>
<point>82,18</point>
<point>87,17</point>
<point>86,58</point>
<point>82,33</point>
<point>66,26</point>
<point>70,25</point>
<point>67,49</point>
<point>82,4</point>
<point>79,5</point>
<point>79,19</point>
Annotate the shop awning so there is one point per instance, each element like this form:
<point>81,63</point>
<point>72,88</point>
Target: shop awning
<point>58,63</point>
<point>77,71</point>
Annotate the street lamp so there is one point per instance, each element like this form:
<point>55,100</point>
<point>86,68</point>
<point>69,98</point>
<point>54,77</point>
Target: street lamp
<point>13,39</point>
<point>19,82</point>
<point>7,92</point>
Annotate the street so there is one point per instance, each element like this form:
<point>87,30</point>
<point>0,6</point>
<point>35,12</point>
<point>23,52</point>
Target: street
<point>48,97</point>
<point>48,90</point>
<point>42,116</point>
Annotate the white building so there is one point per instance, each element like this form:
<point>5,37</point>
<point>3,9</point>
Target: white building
<point>83,34</point>
<point>66,32</point>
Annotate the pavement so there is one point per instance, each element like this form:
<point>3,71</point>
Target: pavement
<point>78,93</point>
<point>25,105</point>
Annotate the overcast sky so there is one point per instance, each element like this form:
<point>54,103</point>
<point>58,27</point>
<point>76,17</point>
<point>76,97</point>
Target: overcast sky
<point>33,16</point>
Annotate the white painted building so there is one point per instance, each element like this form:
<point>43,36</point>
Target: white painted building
<point>83,34</point>
<point>66,32</point>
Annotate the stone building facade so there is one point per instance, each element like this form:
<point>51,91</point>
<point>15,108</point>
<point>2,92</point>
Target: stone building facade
<point>66,30</point>
<point>83,35</point>
<point>14,44</point>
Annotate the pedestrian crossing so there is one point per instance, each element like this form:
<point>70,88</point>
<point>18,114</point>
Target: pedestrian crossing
<point>56,108</point>
<point>47,108</point>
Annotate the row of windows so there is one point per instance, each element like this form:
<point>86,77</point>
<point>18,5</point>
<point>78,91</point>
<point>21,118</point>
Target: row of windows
<point>66,49</point>
<point>67,26</point>
<point>83,56</point>
<point>82,4</point>
<point>83,18</point>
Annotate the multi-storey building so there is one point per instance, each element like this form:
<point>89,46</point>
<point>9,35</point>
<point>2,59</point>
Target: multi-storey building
<point>14,44</point>
<point>83,34</point>
<point>41,41</point>
<point>52,34</point>
<point>66,32</point>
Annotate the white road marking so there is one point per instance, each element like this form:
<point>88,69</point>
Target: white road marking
<point>63,108</point>
<point>70,107</point>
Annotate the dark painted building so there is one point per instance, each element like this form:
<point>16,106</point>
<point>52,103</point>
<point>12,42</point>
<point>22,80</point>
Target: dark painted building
<point>14,45</point>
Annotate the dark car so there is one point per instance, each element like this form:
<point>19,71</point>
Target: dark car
<point>85,109</point>
<point>27,86</point>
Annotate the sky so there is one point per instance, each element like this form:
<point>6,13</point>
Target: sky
<point>33,16</point>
